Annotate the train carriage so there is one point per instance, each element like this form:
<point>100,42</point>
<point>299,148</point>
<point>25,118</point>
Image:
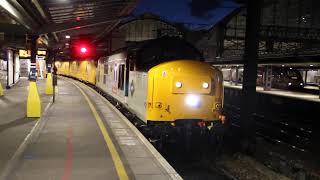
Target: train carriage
<point>82,70</point>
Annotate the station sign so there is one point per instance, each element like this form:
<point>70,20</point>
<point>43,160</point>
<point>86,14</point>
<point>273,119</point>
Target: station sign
<point>41,52</point>
<point>24,53</point>
<point>27,53</point>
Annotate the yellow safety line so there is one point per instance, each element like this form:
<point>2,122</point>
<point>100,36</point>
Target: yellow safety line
<point>114,153</point>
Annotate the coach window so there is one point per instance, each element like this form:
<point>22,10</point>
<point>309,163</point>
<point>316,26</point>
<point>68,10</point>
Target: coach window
<point>121,77</point>
<point>88,68</point>
<point>115,73</point>
<point>131,64</point>
<point>131,59</point>
<point>98,73</point>
<point>106,69</point>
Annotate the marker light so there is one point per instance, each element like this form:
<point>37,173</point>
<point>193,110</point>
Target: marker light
<point>289,84</point>
<point>205,85</point>
<point>301,84</point>
<point>192,100</point>
<point>178,84</point>
<point>83,49</point>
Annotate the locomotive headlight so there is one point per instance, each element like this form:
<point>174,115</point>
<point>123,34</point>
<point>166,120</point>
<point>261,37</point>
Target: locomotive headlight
<point>289,84</point>
<point>301,84</point>
<point>205,85</point>
<point>178,84</point>
<point>192,100</point>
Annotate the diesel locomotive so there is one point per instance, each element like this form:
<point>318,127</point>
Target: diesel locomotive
<point>164,82</point>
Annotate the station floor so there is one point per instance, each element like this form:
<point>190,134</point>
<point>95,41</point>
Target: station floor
<point>280,92</point>
<point>80,136</point>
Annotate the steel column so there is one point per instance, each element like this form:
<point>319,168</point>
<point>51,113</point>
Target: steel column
<point>305,76</point>
<point>250,75</point>
<point>49,60</point>
<point>13,65</point>
<point>268,78</point>
<point>230,75</point>
<point>237,76</point>
<point>8,79</point>
<point>33,61</point>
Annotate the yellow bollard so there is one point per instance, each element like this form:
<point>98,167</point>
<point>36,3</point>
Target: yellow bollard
<point>33,103</point>
<point>49,86</point>
<point>1,90</point>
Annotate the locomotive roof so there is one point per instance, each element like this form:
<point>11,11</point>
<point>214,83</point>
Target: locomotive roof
<point>153,52</point>
<point>137,46</point>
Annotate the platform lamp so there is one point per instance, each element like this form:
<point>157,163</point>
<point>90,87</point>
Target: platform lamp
<point>33,102</point>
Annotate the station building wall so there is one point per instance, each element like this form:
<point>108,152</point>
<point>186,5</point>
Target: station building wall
<point>9,68</point>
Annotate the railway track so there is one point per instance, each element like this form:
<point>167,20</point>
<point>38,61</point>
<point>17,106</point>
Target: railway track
<point>280,131</point>
<point>202,162</point>
<point>283,144</point>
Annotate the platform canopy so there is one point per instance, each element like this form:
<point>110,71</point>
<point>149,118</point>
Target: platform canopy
<point>67,17</point>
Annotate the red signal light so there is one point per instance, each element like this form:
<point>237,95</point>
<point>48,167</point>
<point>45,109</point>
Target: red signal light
<point>83,50</point>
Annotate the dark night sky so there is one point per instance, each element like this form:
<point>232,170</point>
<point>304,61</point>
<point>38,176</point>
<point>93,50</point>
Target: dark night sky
<point>197,14</point>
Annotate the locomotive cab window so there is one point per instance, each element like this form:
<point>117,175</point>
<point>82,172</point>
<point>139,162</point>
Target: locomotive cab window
<point>104,79</point>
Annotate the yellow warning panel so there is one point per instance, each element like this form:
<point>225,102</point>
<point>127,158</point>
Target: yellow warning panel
<point>33,103</point>
<point>49,86</point>
<point>1,90</point>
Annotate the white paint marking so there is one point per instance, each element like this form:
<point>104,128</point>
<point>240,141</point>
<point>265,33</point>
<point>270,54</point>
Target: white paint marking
<point>116,125</point>
<point>120,132</point>
<point>127,140</point>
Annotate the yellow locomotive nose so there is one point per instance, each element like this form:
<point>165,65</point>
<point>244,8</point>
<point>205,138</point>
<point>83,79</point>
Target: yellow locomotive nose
<point>177,90</point>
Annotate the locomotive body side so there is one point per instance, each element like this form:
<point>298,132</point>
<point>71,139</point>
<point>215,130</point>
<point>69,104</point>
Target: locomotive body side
<point>127,86</point>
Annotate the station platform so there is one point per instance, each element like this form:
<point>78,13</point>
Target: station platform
<point>280,92</point>
<point>14,126</point>
<point>82,136</point>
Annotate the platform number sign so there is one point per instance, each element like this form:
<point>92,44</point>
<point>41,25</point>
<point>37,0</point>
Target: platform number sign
<point>33,72</point>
